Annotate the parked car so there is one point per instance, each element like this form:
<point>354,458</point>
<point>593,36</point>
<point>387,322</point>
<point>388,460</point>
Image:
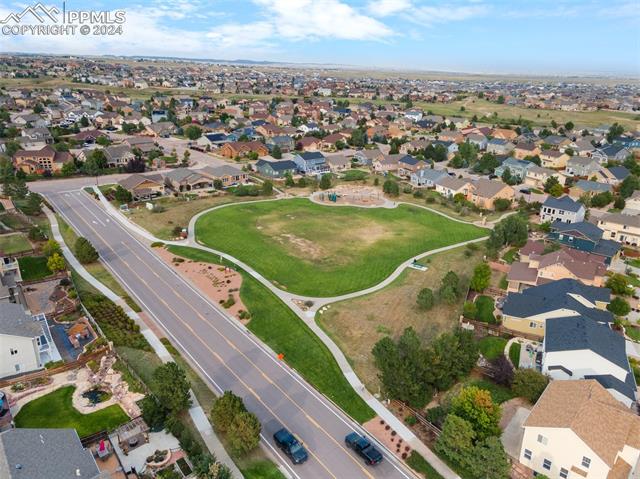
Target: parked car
<point>364,448</point>
<point>291,446</point>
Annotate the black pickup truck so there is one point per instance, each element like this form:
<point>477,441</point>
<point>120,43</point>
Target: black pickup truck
<point>291,446</point>
<point>364,448</point>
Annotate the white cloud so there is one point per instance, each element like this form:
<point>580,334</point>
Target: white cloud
<point>429,15</point>
<point>312,19</point>
<point>233,35</point>
<point>384,8</point>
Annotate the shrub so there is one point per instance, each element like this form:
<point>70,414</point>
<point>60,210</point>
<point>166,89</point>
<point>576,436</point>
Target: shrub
<point>115,324</point>
<point>391,188</point>
<point>84,251</point>
<point>224,409</point>
<point>425,299</point>
<point>244,433</point>
<point>529,384</point>
<point>502,204</point>
<point>476,406</point>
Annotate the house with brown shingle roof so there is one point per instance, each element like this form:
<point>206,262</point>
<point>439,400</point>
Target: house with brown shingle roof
<point>578,430</point>
<point>39,161</point>
<point>484,192</point>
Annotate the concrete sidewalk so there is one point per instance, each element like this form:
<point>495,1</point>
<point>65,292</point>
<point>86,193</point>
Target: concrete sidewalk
<point>196,412</point>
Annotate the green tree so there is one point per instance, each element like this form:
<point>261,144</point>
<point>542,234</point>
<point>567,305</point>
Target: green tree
<point>103,141</point>
<point>6,176</point>
<point>556,190</point>
<point>84,251</point>
<point>33,205</point>
<point>500,100</point>
<point>224,409</point>
<point>469,310</point>
<point>481,277</point>
<point>529,384</point>
<point>425,299</point>
<point>56,263</point>
<point>20,189</point>
<point>569,126</point>
<point>267,188</point>
<point>618,284</point>
<point>171,386</point>
<point>450,288</point>
<point>501,204</point>
<point>476,406</point>
<point>193,132</point>
<point>601,199</point>
<point>489,461</point>
<point>276,152</point>
<point>630,184</point>
<point>288,180</point>
<point>122,195</point>
<point>451,357</point>
<point>456,441</point>
<point>391,188</point>
<point>615,131</point>
<point>51,247</point>
<point>244,433</point>
<point>512,230</point>
<point>507,177</point>
<point>619,307</point>
<point>69,168</point>
<point>325,181</point>
<point>550,183</point>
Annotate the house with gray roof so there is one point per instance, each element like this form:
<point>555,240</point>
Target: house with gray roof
<point>615,152</point>
<point>184,179</point>
<point>427,177</point>
<point>517,168</point>
<point>45,454</point>
<point>498,146</point>
<point>582,166</point>
<point>588,187</point>
<point>576,347</point>
<point>563,209</point>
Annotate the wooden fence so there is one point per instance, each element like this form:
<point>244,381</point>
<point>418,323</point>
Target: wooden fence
<point>496,330</point>
<point>419,417</point>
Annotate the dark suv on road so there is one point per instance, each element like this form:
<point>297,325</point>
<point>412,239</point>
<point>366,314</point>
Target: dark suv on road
<point>364,448</point>
<point>291,446</point>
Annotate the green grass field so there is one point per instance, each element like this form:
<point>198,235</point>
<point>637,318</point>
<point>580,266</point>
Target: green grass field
<point>55,410</point>
<point>317,250</point>
<point>491,347</point>
<point>33,267</point>
<point>486,306</point>
<point>275,324</point>
<point>14,243</point>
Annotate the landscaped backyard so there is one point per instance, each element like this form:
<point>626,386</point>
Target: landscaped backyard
<point>14,243</point>
<point>55,410</point>
<point>33,267</point>
<point>317,250</point>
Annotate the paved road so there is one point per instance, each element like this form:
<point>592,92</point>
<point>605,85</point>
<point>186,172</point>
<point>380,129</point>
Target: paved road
<point>226,354</point>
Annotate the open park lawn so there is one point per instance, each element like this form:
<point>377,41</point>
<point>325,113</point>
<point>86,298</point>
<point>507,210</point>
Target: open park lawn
<point>14,243</point>
<point>357,324</point>
<point>317,250</point>
<point>55,410</point>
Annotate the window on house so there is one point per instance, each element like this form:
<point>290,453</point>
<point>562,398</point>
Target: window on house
<point>542,439</point>
<point>527,454</point>
<point>586,462</point>
<point>564,473</point>
<point>534,325</point>
<point>546,464</point>
<point>13,351</point>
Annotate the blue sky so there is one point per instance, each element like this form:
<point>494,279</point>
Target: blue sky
<point>485,36</point>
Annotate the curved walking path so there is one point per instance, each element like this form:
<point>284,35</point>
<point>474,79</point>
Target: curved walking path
<point>308,316</point>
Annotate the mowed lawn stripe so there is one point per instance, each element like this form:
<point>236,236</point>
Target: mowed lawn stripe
<point>316,250</point>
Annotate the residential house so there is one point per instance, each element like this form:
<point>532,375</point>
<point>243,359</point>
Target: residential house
<point>450,146</point>
<point>143,187</point>
<point>612,176</point>
<point>309,143</point>
<point>621,228</point>
<point>632,204</point>
<point>386,163</point>
<point>537,177</point>
<point>538,268</point>
<point>576,347</point>
<point>522,150</point>
<point>557,141</point>
<point>582,166</point>
<point>449,186</point>
<point>528,311</point>
<point>498,146</point>
<point>484,192</point>
<point>478,140</point>
<point>366,157</point>
<point>517,168</point>
<point>237,149</point>
<point>182,180</point>
<point>338,163</point>
<point>448,135</point>
<point>38,134</point>
<point>588,187</point>
<point>276,169</point>
<point>25,342</point>
<point>27,453</point>
<point>39,161</point>
<point>229,175</point>
<point>284,142</point>
<point>143,143</point>
<point>584,236</point>
<point>162,129</point>
<point>427,177</point>
<point>311,163</point>
<point>554,159</point>
<point>563,209</point>
<point>578,430</point>
<point>407,165</point>
<point>504,134</point>
<point>89,136</point>
<point>615,152</point>
<point>213,140</point>
<point>118,155</point>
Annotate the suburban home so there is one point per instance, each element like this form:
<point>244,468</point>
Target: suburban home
<point>284,142</point>
<point>427,177</point>
<point>588,187</point>
<point>118,155</point>
<point>557,141</point>
<point>338,163</point>
<point>366,157</point>
<point>213,140</point>
<point>311,163</point>
<point>582,166</point>
<point>25,342</point>
<point>89,136</point>
<point>632,204</point>
<point>522,150</point>
<point>162,129</point>
<point>615,152</point>
<point>276,169</point>
<point>448,135</point>
<point>498,146</point>
<point>539,268</point>
<point>39,161</point>
<point>182,180</point>
<point>143,187</point>
<point>612,176</point>
<point>578,430</point>
<point>407,165</point>
<point>554,159</point>
<point>478,140</point>
<point>386,163</point>
<point>451,147</point>
<point>537,176</point>
<point>621,228</point>
<point>582,146</point>
<point>504,134</point>
<point>38,453</point>
<point>528,311</point>
<point>484,192</point>
<point>38,134</point>
<point>579,348</point>
<point>229,175</point>
<point>449,186</point>
<point>517,168</point>
<point>238,149</point>
<point>563,209</point>
<point>584,236</point>
<point>309,143</point>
